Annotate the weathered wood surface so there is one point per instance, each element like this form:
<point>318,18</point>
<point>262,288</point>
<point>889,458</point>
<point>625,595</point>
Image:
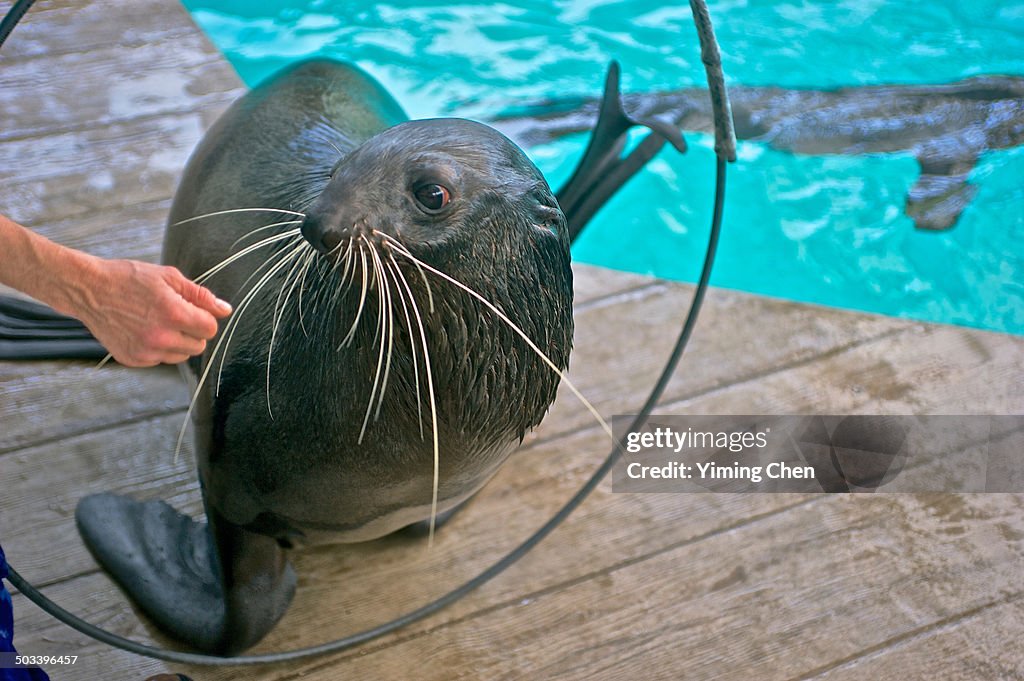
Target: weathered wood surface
<point>653,586</point>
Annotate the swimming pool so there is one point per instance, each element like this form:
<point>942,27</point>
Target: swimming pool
<point>824,229</point>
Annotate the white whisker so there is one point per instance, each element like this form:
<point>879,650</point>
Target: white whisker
<point>416,263</point>
<point>390,326</point>
<point>395,274</point>
<point>244,252</point>
<point>233,320</point>
<point>279,310</point>
<point>262,229</point>
<point>310,259</point>
<point>238,210</point>
<point>433,414</point>
<point>501,315</point>
<point>285,257</point>
<point>362,300</point>
<point>379,332</point>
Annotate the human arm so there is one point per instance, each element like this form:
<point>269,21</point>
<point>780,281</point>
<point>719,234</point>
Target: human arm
<point>144,314</point>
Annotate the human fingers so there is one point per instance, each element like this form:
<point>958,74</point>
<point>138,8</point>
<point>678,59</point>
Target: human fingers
<point>174,358</point>
<point>177,343</point>
<point>179,314</point>
<point>199,296</point>
<point>160,343</point>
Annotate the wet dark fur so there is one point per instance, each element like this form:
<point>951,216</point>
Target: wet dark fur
<point>506,240</point>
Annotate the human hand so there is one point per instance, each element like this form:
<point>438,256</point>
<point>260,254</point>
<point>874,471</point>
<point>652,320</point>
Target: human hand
<point>147,314</point>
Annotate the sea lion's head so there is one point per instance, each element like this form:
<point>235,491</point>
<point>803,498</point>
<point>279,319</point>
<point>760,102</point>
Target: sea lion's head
<point>438,184</point>
<point>461,198</point>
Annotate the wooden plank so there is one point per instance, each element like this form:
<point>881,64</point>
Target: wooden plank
<point>767,600</point>
<point>622,342</point>
<point>550,470</point>
<point>179,73</point>
<point>36,633</point>
<point>138,457</point>
<point>50,401</point>
<point>76,173</point>
<point>983,645</point>
<point>134,231</point>
<point>383,578</point>
<point>928,369</point>
<point>779,595</point>
<point>58,27</point>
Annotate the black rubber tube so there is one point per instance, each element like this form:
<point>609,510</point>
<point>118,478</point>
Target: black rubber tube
<point>725,151</point>
<point>12,18</point>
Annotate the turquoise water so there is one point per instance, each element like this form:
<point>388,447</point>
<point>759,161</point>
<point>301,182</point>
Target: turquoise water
<point>821,229</point>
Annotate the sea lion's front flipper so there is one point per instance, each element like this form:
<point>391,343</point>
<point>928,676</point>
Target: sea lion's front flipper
<point>32,331</point>
<point>170,566</point>
<point>602,170</point>
<point>942,192</point>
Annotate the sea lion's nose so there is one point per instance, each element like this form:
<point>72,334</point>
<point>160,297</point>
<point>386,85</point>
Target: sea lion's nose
<point>320,236</point>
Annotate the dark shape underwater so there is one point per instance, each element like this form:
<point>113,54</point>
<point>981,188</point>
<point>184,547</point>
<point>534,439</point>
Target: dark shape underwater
<point>946,127</point>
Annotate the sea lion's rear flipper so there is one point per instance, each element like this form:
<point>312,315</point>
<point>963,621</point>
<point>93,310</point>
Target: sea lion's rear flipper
<point>942,192</point>
<point>602,170</point>
<point>171,566</point>
<point>32,331</point>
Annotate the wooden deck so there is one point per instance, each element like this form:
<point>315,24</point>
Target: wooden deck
<point>100,104</point>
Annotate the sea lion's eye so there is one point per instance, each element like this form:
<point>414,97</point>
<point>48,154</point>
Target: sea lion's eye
<point>432,197</point>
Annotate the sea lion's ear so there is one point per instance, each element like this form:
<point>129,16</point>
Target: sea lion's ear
<point>546,213</point>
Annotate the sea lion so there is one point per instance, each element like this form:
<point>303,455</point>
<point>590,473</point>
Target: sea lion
<point>359,387</point>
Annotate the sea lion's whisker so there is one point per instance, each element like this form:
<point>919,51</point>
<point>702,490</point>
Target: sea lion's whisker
<point>423,276</point>
<point>323,270</point>
<point>235,315</point>
<point>244,252</point>
<point>279,310</point>
<point>533,346</point>
<point>377,331</point>
<point>384,325</point>
<point>292,276</point>
<point>362,301</point>
<point>391,328</point>
<point>310,259</point>
<point>433,413</point>
<point>335,147</point>
<point>336,249</point>
<point>345,263</point>
<point>239,210</point>
<point>284,259</point>
<point>261,229</point>
<point>395,274</point>
<point>268,262</point>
